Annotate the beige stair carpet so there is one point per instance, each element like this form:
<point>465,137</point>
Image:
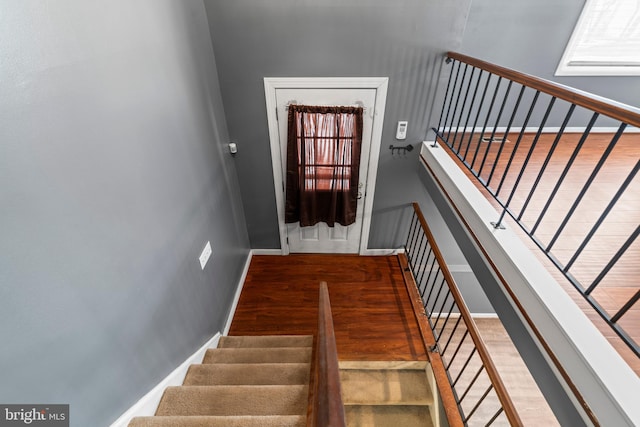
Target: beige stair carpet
<point>246,382</point>
<point>228,421</point>
<point>386,394</point>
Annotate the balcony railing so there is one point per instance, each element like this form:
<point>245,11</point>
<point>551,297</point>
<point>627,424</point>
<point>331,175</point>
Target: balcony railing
<point>452,337</point>
<point>561,164</point>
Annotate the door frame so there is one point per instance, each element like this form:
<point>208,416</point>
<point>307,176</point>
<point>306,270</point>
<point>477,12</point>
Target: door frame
<point>380,84</point>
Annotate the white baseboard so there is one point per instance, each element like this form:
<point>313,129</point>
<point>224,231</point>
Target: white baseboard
<point>148,404</point>
<point>266,252</point>
<point>367,252</point>
<point>379,252</point>
<point>236,298</point>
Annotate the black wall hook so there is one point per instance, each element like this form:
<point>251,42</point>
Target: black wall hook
<point>404,149</point>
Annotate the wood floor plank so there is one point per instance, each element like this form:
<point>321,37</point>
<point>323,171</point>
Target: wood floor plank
<point>372,314</point>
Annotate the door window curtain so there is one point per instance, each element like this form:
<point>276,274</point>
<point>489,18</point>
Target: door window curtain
<point>323,160</point>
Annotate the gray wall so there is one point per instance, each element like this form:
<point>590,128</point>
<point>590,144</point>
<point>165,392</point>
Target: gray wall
<point>530,36</point>
<point>403,40</point>
<point>113,175</point>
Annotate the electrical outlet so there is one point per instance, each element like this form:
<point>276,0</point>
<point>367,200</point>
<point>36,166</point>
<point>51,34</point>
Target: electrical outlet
<point>204,256</point>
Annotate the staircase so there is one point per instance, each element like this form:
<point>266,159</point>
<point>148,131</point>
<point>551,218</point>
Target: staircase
<point>245,382</point>
<point>386,394</point>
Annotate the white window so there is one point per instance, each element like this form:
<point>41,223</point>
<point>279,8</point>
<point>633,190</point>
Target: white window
<point>605,41</point>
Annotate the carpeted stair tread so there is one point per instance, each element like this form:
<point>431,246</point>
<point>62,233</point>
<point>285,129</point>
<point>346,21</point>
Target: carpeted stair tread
<point>248,373</point>
<point>234,400</point>
<point>266,341</point>
<point>221,421</point>
<point>388,416</point>
<point>258,355</point>
<point>385,387</point>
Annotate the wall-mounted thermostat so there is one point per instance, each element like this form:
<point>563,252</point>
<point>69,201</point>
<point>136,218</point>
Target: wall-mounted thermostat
<point>401,131</point>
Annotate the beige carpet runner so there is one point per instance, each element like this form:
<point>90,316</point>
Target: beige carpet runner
<point>245,382</point>
<point>264,382</point>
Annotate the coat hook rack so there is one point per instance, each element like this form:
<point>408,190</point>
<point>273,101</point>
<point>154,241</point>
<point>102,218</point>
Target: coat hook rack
<point>402,150</point>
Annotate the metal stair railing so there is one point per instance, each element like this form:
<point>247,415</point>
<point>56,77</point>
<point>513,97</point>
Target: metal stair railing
<point>493,120</point>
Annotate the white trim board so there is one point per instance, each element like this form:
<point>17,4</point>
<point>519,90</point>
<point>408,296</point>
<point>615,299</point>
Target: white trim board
<point>147,405</point>
<point>236,297</point>
<point>380,85</point>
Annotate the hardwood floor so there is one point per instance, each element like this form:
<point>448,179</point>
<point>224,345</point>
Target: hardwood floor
<point>621,283</point>
<point>372,316</point>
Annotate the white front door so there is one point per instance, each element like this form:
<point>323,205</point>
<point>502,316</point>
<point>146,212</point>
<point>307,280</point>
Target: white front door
<point>321,238</point>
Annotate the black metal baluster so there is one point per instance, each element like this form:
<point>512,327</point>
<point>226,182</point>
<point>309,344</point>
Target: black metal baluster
<point>478,404</point>
<point>613,261</point>
<point>464,366</point>
<point>464,104</point>
<point>444,325</point>
<point>453,331</point>
<point>626,307</point>
<point>510,162</point>
<point>446,97</point>
<point>471,383</point>
<point>586,186</point>
<point>411,239</point>
<point>444,301</point>
<point>438,273</point>
<point>486,120</point>
<point>453,357</point>
<point>529,154</point>
<point>475,122</point>
<point>453,90</point>
<point>420,257</point>
<point>564,173</point>
<point>502,145</point>
<point>442,286</point>
<point>431,257</point>
<point>548,157</point>
<point>495,416</point>
<point>602,217</point>
<point>451,143</point>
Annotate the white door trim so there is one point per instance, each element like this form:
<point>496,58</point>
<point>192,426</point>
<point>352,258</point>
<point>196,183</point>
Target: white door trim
<point>379,84</point>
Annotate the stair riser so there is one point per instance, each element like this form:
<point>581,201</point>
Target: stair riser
<point>262,355</point>
<point>385,387</point>
<point>266,341</point>
<point>234,400</point>
<point>248,374</point>
<point>388,416</point>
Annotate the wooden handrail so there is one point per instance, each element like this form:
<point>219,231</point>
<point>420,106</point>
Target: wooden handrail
<point>619,111</point>
<point>328,409</point>
<point>449,403</point>
<point>492,372</point>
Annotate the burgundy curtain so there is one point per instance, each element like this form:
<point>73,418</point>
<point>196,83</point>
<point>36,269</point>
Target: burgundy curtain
<point>323,160</point>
